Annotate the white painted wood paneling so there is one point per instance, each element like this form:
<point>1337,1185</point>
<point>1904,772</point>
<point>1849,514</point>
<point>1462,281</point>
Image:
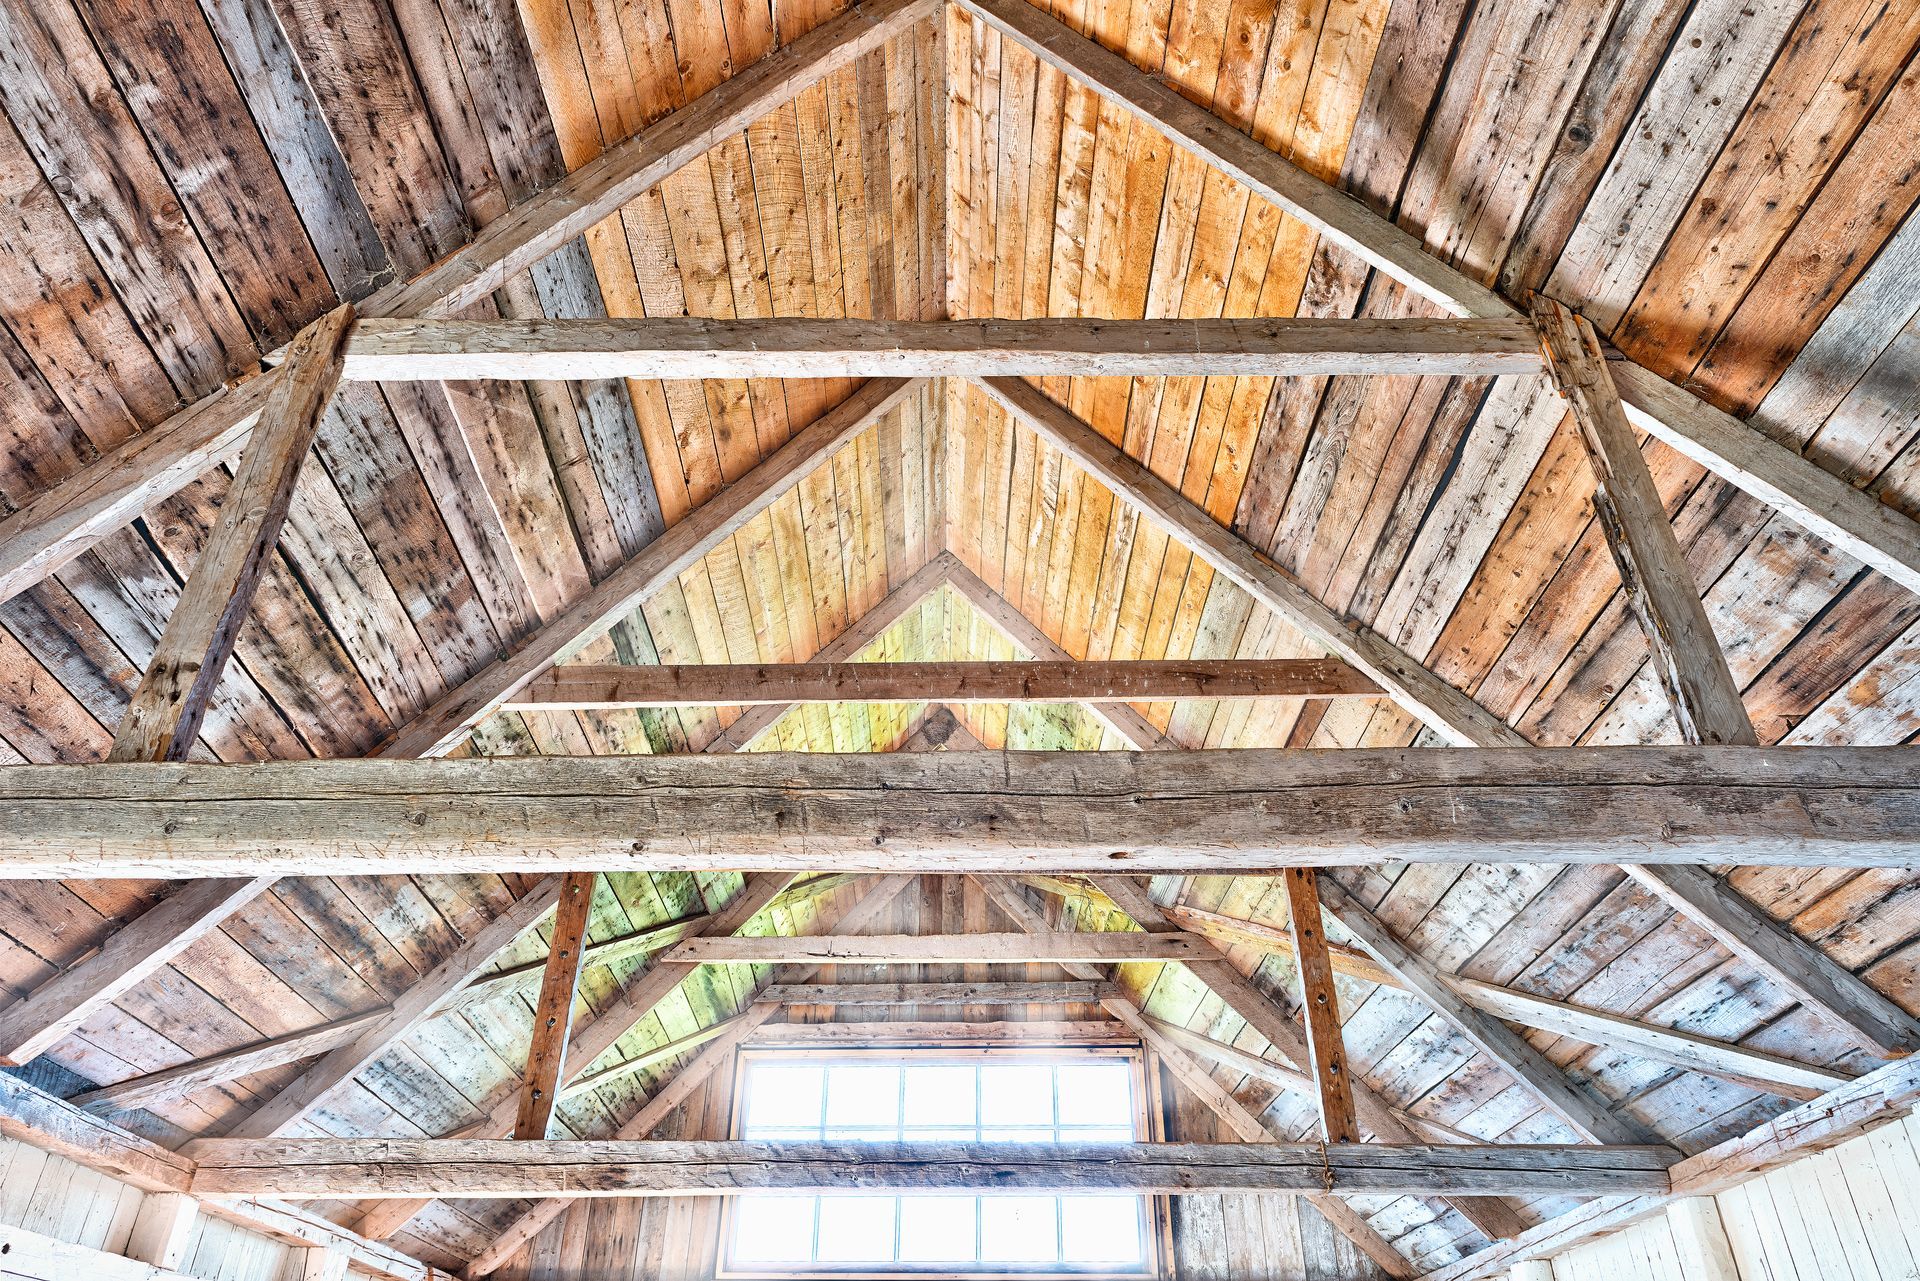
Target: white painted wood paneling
<point>1850,1214</point>
<point>49,1196</point>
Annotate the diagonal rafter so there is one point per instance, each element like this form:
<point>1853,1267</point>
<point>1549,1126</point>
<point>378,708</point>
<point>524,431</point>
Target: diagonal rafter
<point>1129,725</point>
<point>1586,1115</point>
<point>1856,522</point>
<point>719,1052</point>
<point>594,1037</point>
<point>1266,1017</point>
<point>1755,1069</point>
<point>1006,895</point>
<point>1687,658</point>
<point>1402,678</point>
<point>118,967</point>
<point>112,491</point>
<point>1814,978</point>
<point>897,604</point>
<point>1699,685</point>
<point>299,1098</point>
<point>260,1056</point>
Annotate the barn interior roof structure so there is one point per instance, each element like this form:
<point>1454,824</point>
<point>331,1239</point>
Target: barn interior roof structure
<point>1353,562</point>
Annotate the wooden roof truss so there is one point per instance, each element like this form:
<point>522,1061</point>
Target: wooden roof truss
<point>405,332</point>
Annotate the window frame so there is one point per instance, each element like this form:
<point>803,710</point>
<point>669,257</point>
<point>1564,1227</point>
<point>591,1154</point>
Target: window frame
<point>1156,1233</point>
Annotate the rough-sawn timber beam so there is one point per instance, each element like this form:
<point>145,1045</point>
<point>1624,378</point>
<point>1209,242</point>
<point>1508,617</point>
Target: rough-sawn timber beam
<point>1238,1119</point>
<point>1004,617</point>
<point>1868,1017</point>
<point>543,1168</point>
<point>1400,676</point>
<point>39,1120</point>
<point>1854,521</point>
<point>1687,658</point>
<point>439,727</point>
<point>689,347</point>
<point>675,1092</point>
<point>1856,1107</point>
<point>110,492</point>
<point>69,998</point>
<point>1728,1060</point>
<point>1254,810</point>
<point>944,949</point>
<point>598,687</point>
<point>260,1056</point>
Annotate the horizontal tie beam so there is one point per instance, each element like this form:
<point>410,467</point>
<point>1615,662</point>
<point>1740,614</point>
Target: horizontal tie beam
<point>593,687</point>
<point>1021,812</point>
<point>695,347</point>
<point>492,1168</point>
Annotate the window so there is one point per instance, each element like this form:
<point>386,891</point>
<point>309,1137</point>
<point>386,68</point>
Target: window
<point>1062,1096</point>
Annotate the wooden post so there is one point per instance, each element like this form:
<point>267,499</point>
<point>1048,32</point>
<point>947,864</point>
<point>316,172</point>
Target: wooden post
<point>553,1016</point>
<point>162,1227</point>
<point>163,720</point>
<point>1587,1115</point>
<point>323,1263</point>
<point>1326,1052</point>
<point>1701,1240</point>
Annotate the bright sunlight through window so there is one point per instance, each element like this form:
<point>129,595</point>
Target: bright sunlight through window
<point>927,1098</point>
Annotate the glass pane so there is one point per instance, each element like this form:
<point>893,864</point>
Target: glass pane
<point>1096,1135</point>
<point>1096,1094</point>
<point>937,1229</point>
<point>940,1094</point>
<point>784,1133</point>
<point>783,1095</point>
<point>1018,1229</point>
<point>967,1135</point>
<point>1100,1229</point>
<point>773,1229</point>
<point>1018,1136</point>
<point>861,1094</point>
<point>856,1229</point>
<point>1016,1094</point>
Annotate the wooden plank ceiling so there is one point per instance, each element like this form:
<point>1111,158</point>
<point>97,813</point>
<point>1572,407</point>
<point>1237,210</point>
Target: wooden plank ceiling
<point>1723,188</point>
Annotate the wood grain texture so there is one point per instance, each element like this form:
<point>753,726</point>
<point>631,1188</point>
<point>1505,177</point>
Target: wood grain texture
<point>507,1168</point>
<point>921,949</point>
<point>72,516</point>
<point>1054,347</point>
<point>1238,1118</point>
<point>245,1060</point>
<point>581,687</point>
<point>880,995</point>
<point>1133,729</point>
<point>718,1053</point>
<point>663,560</point>
<point>1692,667</point>
<point>1439,705</point>
<point>163,718</point>
<point>1251,810</point>
<point>1774,1073</point>
<point>1589,1117</point>
<point>298,1098</point>
<point>131,955</point>
<point>1826,1122</point>
<point>1320,1007</point>
<point>553,1009</point>
<point>1865,1016</point>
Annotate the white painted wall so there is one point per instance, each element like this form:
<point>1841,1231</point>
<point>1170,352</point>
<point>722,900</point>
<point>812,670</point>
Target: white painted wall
<point>1851,1213</point>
